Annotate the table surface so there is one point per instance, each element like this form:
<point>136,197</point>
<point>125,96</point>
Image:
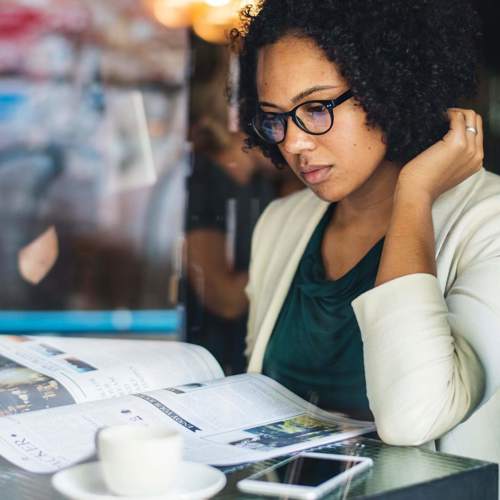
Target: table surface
<point>398,473</point>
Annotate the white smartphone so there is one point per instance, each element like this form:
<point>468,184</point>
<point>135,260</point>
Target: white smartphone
<point>305,476</point>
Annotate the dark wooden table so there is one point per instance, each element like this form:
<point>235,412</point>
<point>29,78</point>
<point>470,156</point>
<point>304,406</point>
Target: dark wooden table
<point>398,473</point>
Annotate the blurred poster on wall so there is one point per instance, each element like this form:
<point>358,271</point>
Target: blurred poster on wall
<point>93,118</point>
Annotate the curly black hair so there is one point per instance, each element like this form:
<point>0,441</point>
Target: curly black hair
<point>406,61</point>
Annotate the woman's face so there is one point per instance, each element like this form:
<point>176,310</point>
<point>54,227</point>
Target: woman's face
<point>340,162</point>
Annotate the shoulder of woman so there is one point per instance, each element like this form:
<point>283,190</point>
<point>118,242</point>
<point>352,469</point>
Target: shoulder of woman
<point>483,203</point>
<point>476,198</point>
<point>470,222</point>
<point>489,185</point>
<point>292,209</point>
<point>288,205</point>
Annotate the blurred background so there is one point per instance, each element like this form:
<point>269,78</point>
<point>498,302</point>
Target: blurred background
<point>126,201</point>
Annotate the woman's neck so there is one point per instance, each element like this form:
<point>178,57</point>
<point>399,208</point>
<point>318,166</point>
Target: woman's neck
<point>371,205</point>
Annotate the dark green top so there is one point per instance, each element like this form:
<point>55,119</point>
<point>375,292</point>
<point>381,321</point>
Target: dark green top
<point>316,349</point>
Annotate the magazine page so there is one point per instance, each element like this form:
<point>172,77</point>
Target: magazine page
<point>46,372</point>
<point>225,422</point>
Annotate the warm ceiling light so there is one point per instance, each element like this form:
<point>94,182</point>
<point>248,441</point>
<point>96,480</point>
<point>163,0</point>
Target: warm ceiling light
<point>213,23</point>
<point>217,3</point>
<point>211,19</point>
<point>173,13</point>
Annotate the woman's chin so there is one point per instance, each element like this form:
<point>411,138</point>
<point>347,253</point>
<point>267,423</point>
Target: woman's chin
<point>326,193</point>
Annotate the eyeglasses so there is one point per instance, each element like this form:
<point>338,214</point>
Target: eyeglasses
<point>313,117</point>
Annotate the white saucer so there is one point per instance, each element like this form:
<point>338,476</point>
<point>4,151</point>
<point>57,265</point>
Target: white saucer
<point>84,482</point>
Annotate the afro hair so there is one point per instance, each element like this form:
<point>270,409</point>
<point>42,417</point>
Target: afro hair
<point>407,61</point>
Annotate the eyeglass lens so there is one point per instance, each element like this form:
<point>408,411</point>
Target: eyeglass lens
<point>312,117</point>
<point>271,127</point>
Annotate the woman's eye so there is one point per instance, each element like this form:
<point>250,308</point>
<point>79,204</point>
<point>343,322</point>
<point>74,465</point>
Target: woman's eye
<point>315,108</point>
<point>270,116</point>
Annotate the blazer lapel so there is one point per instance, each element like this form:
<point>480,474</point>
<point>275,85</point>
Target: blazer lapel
<point>283,265</point>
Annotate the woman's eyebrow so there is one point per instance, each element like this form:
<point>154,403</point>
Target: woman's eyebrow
<point>311,90</point>
<point>302,95</point>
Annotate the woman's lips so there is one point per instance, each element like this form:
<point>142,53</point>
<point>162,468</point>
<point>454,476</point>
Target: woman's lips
<point>316,174</point>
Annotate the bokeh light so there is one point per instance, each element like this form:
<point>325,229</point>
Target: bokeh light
<point>210,19</point>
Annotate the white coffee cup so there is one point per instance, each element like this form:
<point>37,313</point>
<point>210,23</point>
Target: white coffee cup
<point>139,460</point>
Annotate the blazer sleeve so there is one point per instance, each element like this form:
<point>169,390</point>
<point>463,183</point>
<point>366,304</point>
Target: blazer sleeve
<point>422,349</point>
<point>422,372</point>
<point>421,378</point>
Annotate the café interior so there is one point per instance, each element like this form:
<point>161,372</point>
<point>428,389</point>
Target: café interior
<point>127,206</point>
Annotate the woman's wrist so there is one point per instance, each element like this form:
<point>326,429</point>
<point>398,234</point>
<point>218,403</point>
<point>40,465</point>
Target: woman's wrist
<point>411,192</point>
<point>409,242</point>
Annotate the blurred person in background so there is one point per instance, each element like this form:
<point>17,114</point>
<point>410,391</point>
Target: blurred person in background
<point>228,189</point>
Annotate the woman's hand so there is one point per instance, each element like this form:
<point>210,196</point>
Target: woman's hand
<point>448,162</point>
<point>409,246</point>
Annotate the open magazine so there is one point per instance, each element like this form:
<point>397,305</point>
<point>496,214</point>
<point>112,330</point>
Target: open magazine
<point>55,393</point>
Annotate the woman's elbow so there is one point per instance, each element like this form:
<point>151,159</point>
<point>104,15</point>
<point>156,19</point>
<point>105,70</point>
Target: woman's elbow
<point>400,431</point>
<point>412,421</point>
<point>421,421</point>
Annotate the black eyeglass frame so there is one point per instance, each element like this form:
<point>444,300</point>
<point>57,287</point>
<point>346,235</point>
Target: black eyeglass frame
<point>328,103</point>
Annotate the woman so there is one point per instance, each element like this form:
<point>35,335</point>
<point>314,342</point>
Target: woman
<point>377,289</point>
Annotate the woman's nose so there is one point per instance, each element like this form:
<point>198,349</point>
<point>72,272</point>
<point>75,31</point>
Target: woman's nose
<point>296,140</point>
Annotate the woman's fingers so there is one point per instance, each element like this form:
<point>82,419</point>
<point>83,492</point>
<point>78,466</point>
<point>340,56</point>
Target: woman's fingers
<point>480,140</point>
<point>470,126</point>
<point>450,161</point>
<point>457,127</point>
<point>471,133</point>
<point>466,133</point>
<point>460,116</point>
<point>474,134</point>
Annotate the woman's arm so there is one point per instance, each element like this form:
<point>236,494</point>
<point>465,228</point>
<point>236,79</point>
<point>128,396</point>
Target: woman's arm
<point>422,377</point>
<point>409,242</point>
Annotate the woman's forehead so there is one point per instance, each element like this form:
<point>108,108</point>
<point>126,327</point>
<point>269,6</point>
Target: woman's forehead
<point>290,66</point>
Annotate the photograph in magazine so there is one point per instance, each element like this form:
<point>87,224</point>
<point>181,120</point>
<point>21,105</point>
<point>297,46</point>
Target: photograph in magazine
<point>43,372</point>
<point>23,389</point>
<point>288,432</point>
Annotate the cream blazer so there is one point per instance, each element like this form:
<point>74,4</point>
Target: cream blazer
<point>422,335</point>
